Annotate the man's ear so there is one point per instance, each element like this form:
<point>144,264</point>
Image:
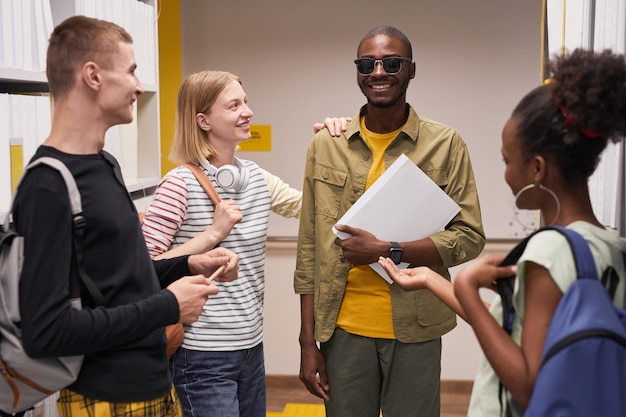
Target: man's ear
<point>202,122</point>
<point>412,70</point>
<point>91,76</point>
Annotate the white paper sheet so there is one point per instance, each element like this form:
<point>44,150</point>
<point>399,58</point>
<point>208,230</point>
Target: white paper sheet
<point>403,205</point>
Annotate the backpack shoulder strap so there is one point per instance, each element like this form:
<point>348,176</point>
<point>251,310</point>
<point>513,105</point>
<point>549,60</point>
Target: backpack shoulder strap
<point>70,183</point>
<point>585,267</point>
<point>622,241</point>
<point>78,228</point>
<point>506,286</point>
<point>585,264</point>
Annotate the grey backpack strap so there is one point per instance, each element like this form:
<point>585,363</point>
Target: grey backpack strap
<point>78,230</point>
<point>623,241</point>
<point>72,189</point>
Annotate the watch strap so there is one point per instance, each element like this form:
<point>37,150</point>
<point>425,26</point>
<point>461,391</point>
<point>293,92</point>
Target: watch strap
<point>395,253</point>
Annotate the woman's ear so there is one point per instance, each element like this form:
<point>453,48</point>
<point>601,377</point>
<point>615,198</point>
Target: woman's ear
<point>202,122</point>
<point>538,165</point>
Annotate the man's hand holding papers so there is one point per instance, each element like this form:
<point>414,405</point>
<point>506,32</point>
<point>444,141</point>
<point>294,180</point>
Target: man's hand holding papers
<point>403,205</point>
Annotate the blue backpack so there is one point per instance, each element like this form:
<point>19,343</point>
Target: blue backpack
<point>583,369</point>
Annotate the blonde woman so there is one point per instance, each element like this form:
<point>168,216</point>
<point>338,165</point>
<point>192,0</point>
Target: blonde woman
<point>219,369</point>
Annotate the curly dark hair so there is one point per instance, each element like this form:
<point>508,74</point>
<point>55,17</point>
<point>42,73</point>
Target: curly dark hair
<point>572,118</point>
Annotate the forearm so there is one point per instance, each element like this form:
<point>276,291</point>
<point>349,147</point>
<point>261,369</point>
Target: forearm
<point>504,355</point>
<point>307,320</point>
<point>420,253</point>
<point>464,238</point>
<point>444,290</point>
<point>67,332</point>
<point>170,269</point>
<point>286,201</point>
<point>200,243</point>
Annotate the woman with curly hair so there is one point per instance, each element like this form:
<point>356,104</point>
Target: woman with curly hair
<point>551,145</point>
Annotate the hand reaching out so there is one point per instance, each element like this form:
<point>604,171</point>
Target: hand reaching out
<point>408,279</point>
<point>484,271</point>
<point>423,278</point>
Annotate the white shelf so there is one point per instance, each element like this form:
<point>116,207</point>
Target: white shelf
<point>141,160</point>
<point>11,75</point>
<point>138,184</point>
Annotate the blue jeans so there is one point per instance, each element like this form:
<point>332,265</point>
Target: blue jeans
<point>220,384</point>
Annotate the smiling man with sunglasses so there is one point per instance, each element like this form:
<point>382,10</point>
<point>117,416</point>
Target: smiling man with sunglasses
<point>380,347</point>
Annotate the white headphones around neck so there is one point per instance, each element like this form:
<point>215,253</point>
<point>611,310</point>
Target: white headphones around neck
<point>229,177</point>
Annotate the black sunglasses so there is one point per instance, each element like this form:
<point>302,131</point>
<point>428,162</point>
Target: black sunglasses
<point>391,64</point>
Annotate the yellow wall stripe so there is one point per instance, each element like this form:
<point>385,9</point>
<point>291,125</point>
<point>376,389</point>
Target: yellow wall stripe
<point>170,74</point>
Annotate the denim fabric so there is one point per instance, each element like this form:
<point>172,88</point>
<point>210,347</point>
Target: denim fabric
<point>220,384</point>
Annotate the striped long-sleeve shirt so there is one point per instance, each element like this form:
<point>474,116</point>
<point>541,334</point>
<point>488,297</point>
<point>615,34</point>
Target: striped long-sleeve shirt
<point>233,319</point>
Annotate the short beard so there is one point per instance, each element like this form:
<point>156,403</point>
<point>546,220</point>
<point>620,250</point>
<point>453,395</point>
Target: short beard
<point>383,105</point>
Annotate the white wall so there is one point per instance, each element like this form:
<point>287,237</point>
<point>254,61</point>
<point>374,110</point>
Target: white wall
<point>475,59</point>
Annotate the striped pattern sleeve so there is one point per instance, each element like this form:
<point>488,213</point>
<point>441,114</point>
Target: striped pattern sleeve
<point>285,201</point>
<point>165,214</point>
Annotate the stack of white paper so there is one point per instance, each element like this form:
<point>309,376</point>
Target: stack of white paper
<point>403,205</point>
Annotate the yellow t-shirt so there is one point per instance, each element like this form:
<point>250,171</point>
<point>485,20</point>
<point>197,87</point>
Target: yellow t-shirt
<point>366,306</point>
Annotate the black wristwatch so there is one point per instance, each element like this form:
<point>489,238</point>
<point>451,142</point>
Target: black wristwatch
<point>395,253</point>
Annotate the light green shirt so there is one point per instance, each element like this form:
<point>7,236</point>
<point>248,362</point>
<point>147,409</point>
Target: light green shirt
<point>335,174</point>
<point>550,250</point>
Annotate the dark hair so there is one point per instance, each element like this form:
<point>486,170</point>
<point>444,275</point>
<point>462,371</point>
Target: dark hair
<point>391,32</point>
<point>572,118</point>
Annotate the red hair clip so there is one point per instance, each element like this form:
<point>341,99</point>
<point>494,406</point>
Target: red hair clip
<point>570,121</point>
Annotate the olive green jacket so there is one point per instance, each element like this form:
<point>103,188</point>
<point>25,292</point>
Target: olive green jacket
<point>335,173</point>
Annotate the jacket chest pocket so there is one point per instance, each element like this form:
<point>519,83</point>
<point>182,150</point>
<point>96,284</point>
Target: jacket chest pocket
<point>329,186</point>
<point>439,177</point>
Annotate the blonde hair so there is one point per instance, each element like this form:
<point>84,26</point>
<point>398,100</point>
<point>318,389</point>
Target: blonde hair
<point>197,93</point>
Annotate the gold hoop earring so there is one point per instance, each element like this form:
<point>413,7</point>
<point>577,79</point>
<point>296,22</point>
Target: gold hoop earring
<point>543,188</point>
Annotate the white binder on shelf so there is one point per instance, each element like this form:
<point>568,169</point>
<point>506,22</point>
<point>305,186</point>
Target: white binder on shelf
<point>7,53</point>
<point>17,37</point>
